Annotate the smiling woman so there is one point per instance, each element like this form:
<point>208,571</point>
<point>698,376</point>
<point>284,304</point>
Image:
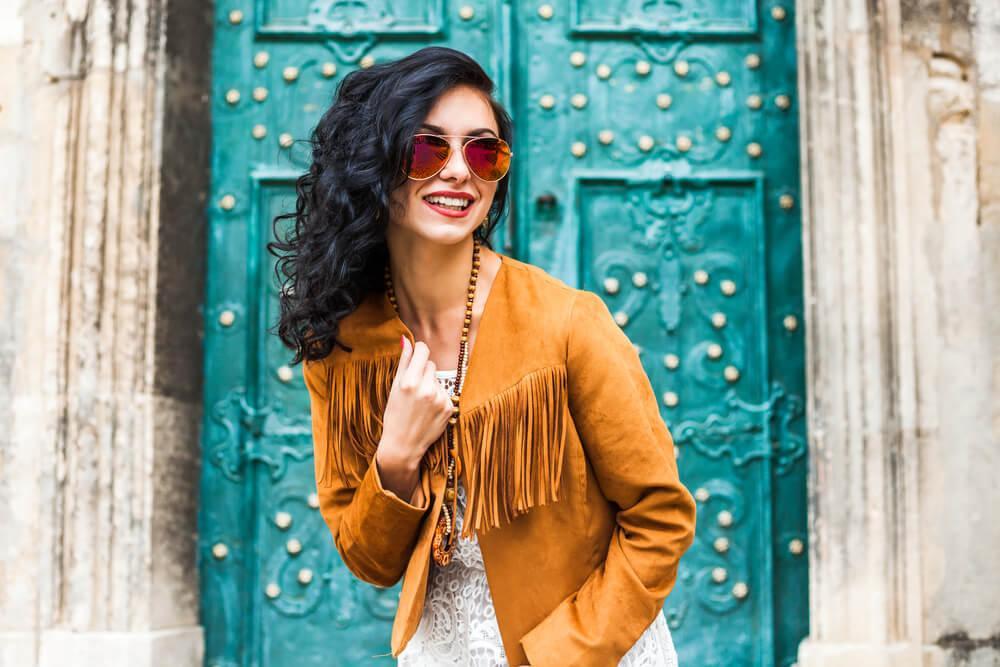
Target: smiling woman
<point>388,276</point>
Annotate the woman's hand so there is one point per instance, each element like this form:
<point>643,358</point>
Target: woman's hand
<point>416,413</point>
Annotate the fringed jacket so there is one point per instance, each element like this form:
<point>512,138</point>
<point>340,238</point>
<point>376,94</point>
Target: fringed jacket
<point>569,471</point>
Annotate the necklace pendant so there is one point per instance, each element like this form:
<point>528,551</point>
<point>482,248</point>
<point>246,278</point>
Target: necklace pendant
<point>441,543</point>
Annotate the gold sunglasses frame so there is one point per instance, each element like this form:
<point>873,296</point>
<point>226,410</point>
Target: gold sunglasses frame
<point>462,151</point>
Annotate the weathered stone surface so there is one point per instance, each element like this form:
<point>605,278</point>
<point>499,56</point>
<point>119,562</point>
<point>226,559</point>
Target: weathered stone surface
<point>99,340</point>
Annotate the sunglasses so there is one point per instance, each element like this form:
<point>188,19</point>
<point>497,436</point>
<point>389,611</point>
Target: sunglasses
<point>487,157</point>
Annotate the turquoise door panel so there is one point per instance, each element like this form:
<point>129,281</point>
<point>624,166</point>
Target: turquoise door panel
<point>657,166</point>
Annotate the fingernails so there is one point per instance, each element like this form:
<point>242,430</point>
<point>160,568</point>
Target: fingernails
<point>401,339</point>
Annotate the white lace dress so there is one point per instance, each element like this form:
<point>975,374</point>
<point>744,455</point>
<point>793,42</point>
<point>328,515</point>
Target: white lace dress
<point>458,626</point>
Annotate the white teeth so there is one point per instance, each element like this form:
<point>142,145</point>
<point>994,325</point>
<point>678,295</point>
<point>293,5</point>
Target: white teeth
<point>448,201</point>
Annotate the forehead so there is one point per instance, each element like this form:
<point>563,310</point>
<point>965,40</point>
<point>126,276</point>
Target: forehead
<point>461,110</point>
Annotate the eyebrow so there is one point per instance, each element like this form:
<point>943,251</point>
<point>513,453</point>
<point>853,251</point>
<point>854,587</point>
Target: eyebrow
<point>471,133</point>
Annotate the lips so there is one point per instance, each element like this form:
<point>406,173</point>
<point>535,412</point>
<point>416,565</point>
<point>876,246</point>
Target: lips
<point>447,212</point>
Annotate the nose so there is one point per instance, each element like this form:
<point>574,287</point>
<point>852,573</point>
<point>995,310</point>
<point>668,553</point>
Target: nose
<point>455,169</point>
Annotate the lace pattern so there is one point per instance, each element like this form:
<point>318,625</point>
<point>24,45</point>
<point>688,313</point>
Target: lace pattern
<point>458,626</point>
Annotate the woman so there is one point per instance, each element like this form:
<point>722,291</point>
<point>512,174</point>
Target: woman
<point>481,429</point>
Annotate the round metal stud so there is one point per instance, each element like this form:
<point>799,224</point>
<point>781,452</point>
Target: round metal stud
<point>752,60</point>
<point>329,70</point>
<point>723,133</point>
<point>725,518</point>
<point>285,140</point>
<point>701,494</point>
<point>546,101</point>
<point>683,143</point>
<point>290,73</point>
<point>719,574</point>
<point>701,277</point>
<point>293,546</point>
<point>671,361</point>
<point>681,68</point>
<point>754,101</point>
<point>611,285</point>
<point>727,287</point>
<point>260,93</point>
<point>606,137</point>
<point>313,500</point>
<point>305,576</point>
<point>578,149</point>
<point>782,101</point>
<point>621,318</point>
<point>226,318</point>
<point>545,11</point>
<point>646,143</point>
<point>367,61</point>
<point>796,547</point>
<point>754,149</point>
<point>670,399</point>
<point>663,100</point>
<point>285,374</point>
<point>642,67</point>
<point>723,78</point>
<point>639,279</point>
<point>778,13</point>
<point>603,71</point>
<point>232,96</point>
<point>236,17</point>
<point>466,12</point>
<point>261,59</point>
<point>578,101</point>
<point>721,544</point>
<point>283,520</point>
<point>714,351</point>
<point>740,590</point>
<point>227,203</point>
<point>259,131</point>
<point>220,550</point>
<point>272,590</point>
<point>718,320</point>
<point>786,201</point>
<point>732,374</point>
<point>791,322</point>
<point>577,58</point>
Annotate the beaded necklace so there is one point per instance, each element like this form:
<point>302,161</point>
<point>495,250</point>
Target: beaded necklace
<point>444,539</point>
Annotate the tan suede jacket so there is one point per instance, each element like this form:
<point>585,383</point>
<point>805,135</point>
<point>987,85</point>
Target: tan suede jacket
<point>570,472</point>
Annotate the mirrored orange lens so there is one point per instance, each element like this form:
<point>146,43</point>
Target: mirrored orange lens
<point>430,154</point>
<point>488,158</point>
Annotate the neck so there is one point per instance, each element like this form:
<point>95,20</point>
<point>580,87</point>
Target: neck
<point>431,281</point>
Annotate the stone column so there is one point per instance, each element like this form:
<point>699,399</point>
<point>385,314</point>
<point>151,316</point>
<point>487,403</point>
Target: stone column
<point>101,247</point>
<point>903,448</point>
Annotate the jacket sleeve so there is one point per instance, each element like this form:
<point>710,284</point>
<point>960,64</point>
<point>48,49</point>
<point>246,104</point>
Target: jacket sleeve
<point>373,529</point>
<point>627,443</point>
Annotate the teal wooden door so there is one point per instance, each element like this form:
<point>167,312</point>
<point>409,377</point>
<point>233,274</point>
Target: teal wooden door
<point>658,167</point>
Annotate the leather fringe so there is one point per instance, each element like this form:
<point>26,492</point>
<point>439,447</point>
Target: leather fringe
<point>514,445</point>
<point>358,394</point>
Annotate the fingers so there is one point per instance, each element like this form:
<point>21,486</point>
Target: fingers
<point>415,369</point>
<point>405,354</point>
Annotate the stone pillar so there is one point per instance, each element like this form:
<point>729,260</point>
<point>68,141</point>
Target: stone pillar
<point>102,254</point>
<point>903,447</point>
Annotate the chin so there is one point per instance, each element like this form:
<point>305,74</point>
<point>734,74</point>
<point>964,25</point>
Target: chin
<point>445,233</point>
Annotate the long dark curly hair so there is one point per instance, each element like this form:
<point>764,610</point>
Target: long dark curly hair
<point>333,252</point>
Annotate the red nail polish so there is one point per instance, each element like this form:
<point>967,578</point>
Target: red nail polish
<point>401,345</point>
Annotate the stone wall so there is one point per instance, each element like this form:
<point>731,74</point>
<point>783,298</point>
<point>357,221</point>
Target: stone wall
<point>104,132</point>
<point>900,165</point>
